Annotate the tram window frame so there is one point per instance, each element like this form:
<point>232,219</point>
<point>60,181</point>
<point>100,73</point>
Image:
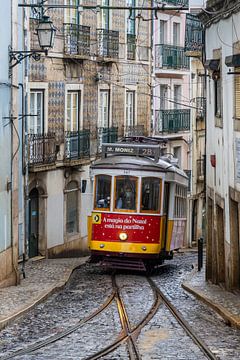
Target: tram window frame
<point>159,198</point>
<point>95,192</point>
<point>116,198</point>
<point>180,202</point>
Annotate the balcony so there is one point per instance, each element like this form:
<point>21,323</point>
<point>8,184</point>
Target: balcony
<point>106,135</point>
<point>77,144</point>
<point>41,149</point>
<point>172,121</point>
<point>108,43</point>
<point>193,36</point>
<point>201,169</point>
<point>131,47</point>
<point>170,57</point>
<point>76,39</point>
<point>178,2</point>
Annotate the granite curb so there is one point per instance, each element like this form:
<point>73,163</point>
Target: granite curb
<point>206,293</point>
<point>51,288</point>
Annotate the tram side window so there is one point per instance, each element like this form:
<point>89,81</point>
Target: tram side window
<point>126,193</point>
<point>150,200</point>
<point>103,192</point>
<point>180,208</point>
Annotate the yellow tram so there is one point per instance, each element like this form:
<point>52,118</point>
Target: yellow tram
<point>139,206</point>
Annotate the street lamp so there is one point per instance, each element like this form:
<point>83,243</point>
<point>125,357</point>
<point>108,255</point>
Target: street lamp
<point>46,33</point>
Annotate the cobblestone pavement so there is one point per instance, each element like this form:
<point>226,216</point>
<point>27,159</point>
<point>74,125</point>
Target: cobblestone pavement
<point>86,291</point>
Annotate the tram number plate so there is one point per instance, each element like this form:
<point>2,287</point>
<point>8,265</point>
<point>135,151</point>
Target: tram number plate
<point>96,218</point>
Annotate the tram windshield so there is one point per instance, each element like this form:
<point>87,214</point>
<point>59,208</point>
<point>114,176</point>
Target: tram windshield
<point>103,192</point>
<point>150,194</point>
<point>125,195</point>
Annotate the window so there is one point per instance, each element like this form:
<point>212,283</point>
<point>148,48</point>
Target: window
<point>237,93</point>
<point>150,195</point>
<point>177,96</point>
<point>72,208</point>
<point>103,120</point>
<point>103,192</point>
<point>72,13</point>
<point>176,34</point>
<point>126,193</point>
<point>180,208</point>
<point>73,110</point>
<point>218,93</point>
<point>131,19</point>
<point>130,108</point>
<point>177,153</point>
<point>36,125</point>
<point>163,96</point>
<point>105,15</point>
<point>162,32</point>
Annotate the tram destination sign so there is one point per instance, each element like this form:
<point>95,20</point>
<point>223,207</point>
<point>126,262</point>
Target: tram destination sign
<point>152,151</point>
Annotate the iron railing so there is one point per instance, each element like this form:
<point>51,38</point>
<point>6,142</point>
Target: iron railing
<point>108,43</point>
<point>77,144</point>
<point>41,149</point>
<point>201,107</point>
<point>201,168</point>
<point>106,135</point>
<point>177,2</point>
<point>193,34</point>
<point>134,130</point>
<point>170,56</point>
<point>76,39</point>
<point>172,121</point>
<point>131,47</point>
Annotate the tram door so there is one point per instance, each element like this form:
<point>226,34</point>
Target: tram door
<point>165,212</point>
<point>33,223</point>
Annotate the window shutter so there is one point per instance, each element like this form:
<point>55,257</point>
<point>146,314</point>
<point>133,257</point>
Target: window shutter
<point>237,93</point>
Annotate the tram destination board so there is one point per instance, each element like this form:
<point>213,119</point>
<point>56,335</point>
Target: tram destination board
<point>152,151</point>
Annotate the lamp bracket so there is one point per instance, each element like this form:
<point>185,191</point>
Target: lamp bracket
<point>16,57</point>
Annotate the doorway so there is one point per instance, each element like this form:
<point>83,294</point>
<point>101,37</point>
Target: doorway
<point>33,223</point>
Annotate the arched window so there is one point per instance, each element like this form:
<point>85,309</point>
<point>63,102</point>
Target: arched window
<point>72,208</point>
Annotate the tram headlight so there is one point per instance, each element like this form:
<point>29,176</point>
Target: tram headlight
<point>123,236</point>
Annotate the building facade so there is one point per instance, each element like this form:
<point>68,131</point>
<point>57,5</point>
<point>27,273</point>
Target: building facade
<point>171,85</point>
<point>93,87</point>
<point>221,21</point>
<point>8,150</point>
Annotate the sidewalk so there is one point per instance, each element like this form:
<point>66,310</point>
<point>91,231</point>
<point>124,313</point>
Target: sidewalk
<point>43,277</point>
<point>226,304</point>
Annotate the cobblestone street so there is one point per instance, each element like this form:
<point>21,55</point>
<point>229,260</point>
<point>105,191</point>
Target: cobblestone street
<point>89,288</point>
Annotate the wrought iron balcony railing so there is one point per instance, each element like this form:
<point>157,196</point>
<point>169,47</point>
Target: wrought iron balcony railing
<point>201,168</point>
<point>177,2</point>
<point>41,149</point>
<point>134,130</point>
<point>172,121</point>
<point>76,39</point>
<point>106,135</point>
<point>201,107</point>
<point>170,56</point>
<point>193,35</point>
<point>108,43</point>
<point>131,46</point>
<point>77,144</point>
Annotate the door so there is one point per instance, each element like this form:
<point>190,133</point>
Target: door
<point>165,214</point>
<point>33,223</point>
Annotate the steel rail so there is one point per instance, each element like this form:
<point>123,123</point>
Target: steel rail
<point>62,334</point>
<point>200,343</point>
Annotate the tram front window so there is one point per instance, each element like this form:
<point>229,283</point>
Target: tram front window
<point>150,194</point>
<point>126,190</point>
<point>103,192</point>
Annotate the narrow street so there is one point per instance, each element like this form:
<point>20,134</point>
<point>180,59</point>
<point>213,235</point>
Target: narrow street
<point>67,315</point>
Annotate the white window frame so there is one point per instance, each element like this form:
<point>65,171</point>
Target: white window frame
<point>106,89</point>
<point>43,87</point>
<point>99,17</point>
<point>179,33</point>
<point>165,35</point>
<point>74,88</point>
<point>127,90</point>
<point>71,12</point>
<point>175,105</point>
